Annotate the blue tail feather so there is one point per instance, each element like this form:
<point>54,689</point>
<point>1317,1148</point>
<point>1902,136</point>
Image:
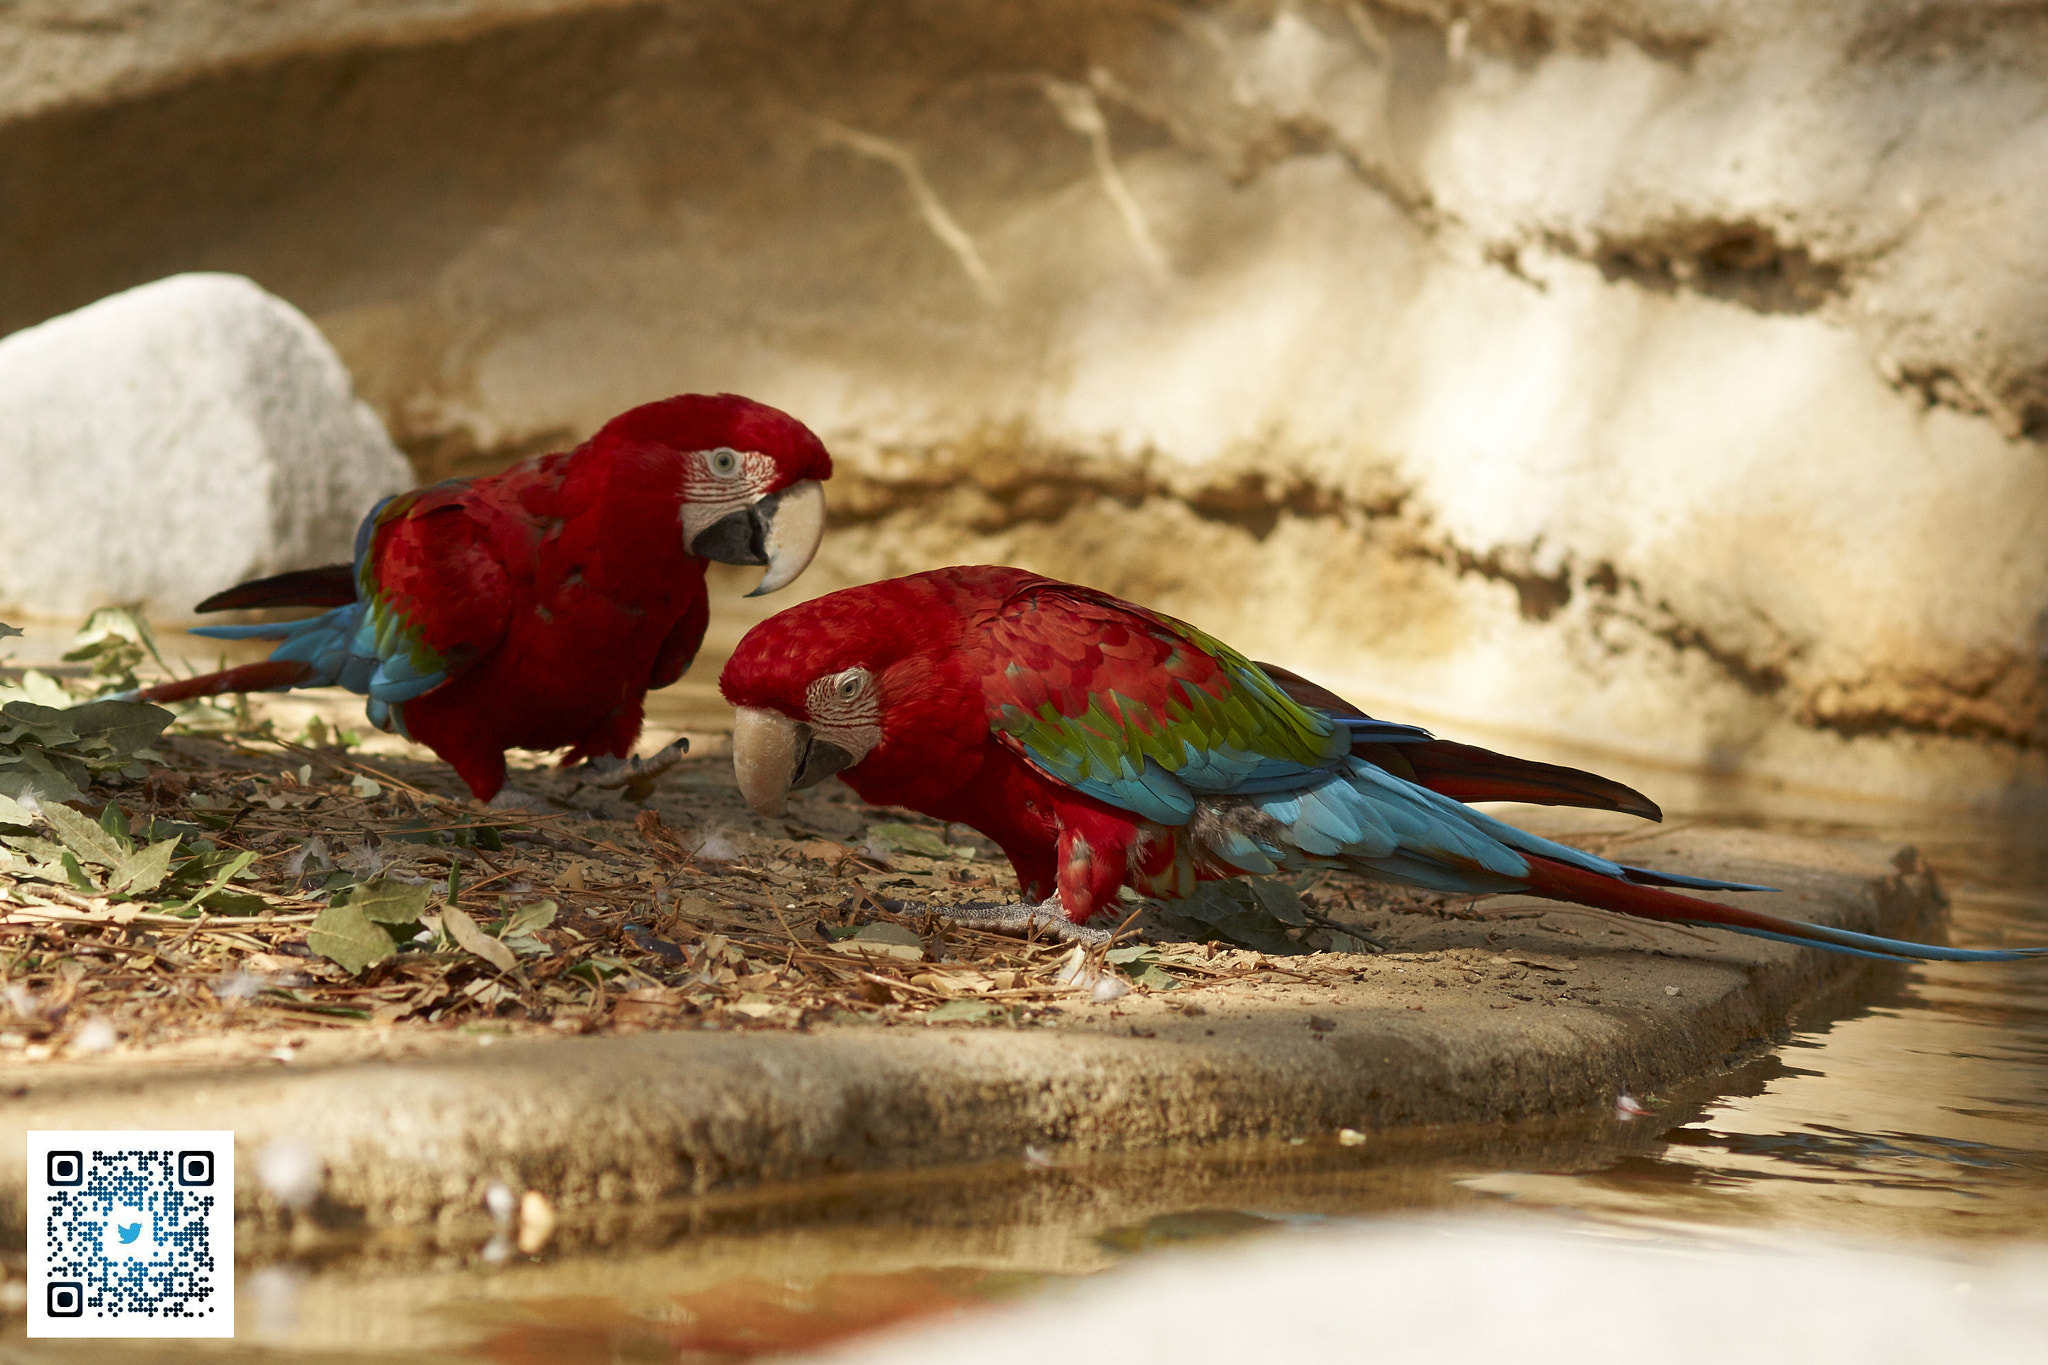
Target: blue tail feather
<point>1882,949</point>
<point>1380,825</point>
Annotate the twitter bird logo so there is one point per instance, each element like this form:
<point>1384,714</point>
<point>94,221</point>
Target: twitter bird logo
<point>129,1233</point>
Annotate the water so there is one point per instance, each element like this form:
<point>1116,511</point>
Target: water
<point>1921,1113</point>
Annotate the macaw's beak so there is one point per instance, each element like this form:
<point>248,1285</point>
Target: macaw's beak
<point>773,756</point>
<point>781,531</point>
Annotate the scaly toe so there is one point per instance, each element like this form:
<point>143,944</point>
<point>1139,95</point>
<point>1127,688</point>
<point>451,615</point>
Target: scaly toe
<point>1046,918</point>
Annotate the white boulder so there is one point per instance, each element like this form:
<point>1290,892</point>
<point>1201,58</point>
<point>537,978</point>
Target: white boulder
<point>176,439</point>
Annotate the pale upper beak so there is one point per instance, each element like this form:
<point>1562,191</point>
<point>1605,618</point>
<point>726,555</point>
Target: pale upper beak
<point>773,756</point>
<point>781,531</point>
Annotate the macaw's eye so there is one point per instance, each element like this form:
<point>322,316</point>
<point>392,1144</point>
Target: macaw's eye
<point>724,462</point>
<point>850,684</point>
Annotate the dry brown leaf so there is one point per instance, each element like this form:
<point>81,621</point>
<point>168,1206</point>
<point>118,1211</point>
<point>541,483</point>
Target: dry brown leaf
<point>469,935</point>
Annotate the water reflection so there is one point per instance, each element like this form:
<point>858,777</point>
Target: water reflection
<point>738,1319</point>
<point>1924,1113</point>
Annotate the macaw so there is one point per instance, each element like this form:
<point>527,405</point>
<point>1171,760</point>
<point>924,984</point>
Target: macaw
<point>536,608</point>
<point>1102,745</point>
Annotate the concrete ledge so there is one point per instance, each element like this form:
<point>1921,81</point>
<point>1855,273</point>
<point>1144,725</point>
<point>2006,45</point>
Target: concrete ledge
<point>1447,1029</point>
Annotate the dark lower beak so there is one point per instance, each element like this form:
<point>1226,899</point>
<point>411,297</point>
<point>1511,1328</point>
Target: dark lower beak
<point>781,531</point>
<point>736,538</point>
<point>821,760</point>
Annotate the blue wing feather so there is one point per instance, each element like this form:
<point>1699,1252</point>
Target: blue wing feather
<point>1256,813</point>
<point>366,646</point>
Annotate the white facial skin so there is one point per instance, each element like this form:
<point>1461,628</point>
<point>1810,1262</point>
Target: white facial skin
<point>772,753</point>
<point>845,711</point>
<point>719,482</point>
<point>722,481</point>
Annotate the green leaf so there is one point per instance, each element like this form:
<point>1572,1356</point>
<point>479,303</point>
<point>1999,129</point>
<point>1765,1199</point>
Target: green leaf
<point>911,839</point>
<point>389,902</point>
<point>194,872</point>
<point>143,870</point>
<point>229,902</point>
<point>12,812</point>
<point>123,726</point>
<point>529,918</point>
<point>116,639</point>
<point>1140,962</point>
<point>344,934</point>
<point>32,720</point>
<point>78,875</point>
<point>41,689</point>
<point>519,928</point>
<point>1235,913</point>
<point>114,821</point>
<point>42,850</point>
<point>91,843</point>
<point>7,630</point>
<point>220,879</point>
<point>1278,901</point>
<point>32,772</point>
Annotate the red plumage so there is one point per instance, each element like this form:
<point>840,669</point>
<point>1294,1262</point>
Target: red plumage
<point>953,646</point>
<point>1051,718</point>
<point>555,595</point>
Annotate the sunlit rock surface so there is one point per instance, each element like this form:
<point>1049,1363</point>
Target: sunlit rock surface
<point>174,440</point>
<point>1664,378</point>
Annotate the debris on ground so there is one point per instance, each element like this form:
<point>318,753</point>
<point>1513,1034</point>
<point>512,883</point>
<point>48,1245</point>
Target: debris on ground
<point>159,883</point>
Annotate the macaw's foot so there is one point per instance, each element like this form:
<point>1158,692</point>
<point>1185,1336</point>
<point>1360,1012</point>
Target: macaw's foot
<point>636,776</point>
<point>1043,920</point>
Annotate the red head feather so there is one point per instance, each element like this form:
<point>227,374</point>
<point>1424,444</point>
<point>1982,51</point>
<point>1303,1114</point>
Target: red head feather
<point>893,628</point>
<point>703,421</point>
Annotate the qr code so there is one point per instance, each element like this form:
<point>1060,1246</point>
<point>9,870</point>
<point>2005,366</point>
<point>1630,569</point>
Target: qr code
<point>131,1234</point>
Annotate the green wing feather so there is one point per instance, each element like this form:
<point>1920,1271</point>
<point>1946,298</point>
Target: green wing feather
<point>1143,711</point>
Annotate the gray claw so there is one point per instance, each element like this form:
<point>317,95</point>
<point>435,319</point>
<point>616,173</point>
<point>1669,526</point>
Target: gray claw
<point>637,775</point>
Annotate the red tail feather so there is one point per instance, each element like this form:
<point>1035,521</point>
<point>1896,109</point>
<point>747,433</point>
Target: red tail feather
<point>330,585</point>
<point>259,677</point>
<point>1465,772</point>
<point>1563,882</point>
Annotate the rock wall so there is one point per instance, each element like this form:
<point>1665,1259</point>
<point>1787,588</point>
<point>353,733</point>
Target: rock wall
<point>1663,378</point>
